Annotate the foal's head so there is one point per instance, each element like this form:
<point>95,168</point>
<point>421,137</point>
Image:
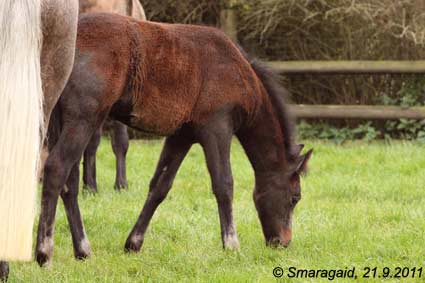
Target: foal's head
<point>276,201</point>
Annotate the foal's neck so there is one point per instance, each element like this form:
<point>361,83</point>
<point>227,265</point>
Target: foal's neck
<point>263,142</point>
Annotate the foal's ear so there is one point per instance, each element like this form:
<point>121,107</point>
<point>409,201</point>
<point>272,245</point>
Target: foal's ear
<point>296,151</point>
<point>302,162</point>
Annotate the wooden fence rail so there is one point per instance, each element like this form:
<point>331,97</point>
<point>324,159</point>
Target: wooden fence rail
<point>229,25</point>
<point>353,68</point>
<point>349,67</point>
<point>357,112</point>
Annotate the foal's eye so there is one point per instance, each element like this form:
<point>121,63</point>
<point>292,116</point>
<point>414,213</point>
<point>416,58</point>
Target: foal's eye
<point>295,199</point>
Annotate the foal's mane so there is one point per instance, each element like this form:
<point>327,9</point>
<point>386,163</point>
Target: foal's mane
<point>278,96</point>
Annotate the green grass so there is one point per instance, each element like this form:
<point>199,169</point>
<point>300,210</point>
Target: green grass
<point>363,205</point>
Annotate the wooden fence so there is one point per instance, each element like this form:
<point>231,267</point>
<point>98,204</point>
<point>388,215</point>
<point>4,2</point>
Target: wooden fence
<point>349,67</point>
<point>229,25</point>
<point>353,68</point>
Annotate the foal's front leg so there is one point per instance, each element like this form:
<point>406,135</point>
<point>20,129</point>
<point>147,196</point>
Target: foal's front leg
<point>172,155</point>
<point>216,141</point>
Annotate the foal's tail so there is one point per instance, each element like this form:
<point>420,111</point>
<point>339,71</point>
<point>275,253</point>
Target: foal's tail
<point>21,118</point>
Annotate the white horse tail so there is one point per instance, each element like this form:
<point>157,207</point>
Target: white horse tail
<point>137,10</point>
<point>21,118</point>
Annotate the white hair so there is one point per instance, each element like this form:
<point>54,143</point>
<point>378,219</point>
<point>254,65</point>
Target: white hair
<point>21,118</point>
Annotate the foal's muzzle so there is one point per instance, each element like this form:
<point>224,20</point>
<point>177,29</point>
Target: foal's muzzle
<point>283,240</point>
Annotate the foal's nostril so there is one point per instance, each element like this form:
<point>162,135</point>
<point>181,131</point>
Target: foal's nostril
<point>286,244</point>
<point>278,242</point>
<point>285,237</point>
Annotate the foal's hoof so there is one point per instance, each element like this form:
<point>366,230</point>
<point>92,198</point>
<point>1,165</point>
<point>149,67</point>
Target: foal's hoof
<point>43,259</point>
<point>231,242</point>
<point>44,252</point>
<point>79,255</point>
<point>278,243</point>
<point>4,271</point>
<point>90,188</point>
<point>123,185</point>
<point>133,244</point>
<point>83,251</point>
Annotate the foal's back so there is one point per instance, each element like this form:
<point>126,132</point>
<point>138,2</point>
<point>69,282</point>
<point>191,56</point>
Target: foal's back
<point>160,76</point>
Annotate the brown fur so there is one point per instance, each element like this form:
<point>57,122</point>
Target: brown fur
<point>119,133</point>
<point>142,56</point>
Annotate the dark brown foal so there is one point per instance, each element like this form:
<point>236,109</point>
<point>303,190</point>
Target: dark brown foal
<point>191,84</point>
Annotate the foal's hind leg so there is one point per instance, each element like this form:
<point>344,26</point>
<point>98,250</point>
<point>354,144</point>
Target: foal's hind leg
<point>89,162</point>
<point>119,142</point>
<point>66,153</point>
<point>70,199</point>
<point>172,155</point>
<point>216,140</point>
<point>4,271</point>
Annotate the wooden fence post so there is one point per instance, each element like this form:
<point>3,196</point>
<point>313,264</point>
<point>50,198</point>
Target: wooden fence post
<point>228,19</point>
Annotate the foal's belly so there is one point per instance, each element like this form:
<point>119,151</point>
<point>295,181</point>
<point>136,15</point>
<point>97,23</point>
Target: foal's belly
<point>163,122</point>
<point>154,111</point>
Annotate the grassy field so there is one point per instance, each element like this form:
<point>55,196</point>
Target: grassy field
<point>363,206</point>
